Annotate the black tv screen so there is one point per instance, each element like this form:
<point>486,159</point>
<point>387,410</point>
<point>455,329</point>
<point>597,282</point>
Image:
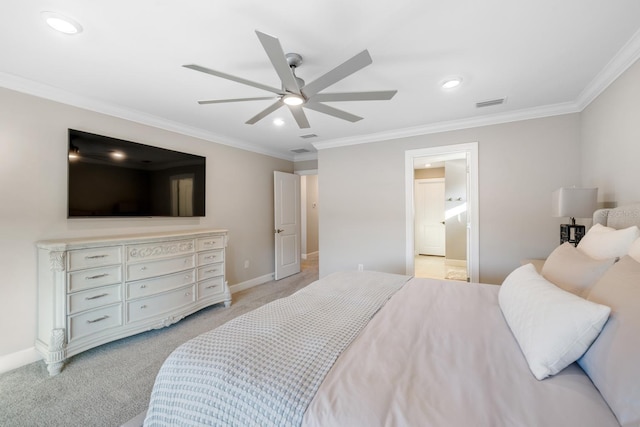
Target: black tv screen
<point>110,177</point>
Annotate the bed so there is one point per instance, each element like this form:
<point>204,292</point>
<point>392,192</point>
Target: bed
<point>552,348</point>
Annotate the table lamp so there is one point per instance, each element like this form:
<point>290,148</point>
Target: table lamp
<point>574,203</point>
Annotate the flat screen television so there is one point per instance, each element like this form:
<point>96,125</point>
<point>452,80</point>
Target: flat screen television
<point>109,177</point>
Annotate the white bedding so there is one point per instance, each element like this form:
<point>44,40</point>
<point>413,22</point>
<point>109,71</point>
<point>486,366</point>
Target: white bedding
<point>441,354</point>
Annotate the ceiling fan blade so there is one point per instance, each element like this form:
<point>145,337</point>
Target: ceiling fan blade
<point>343,70</point>
<point>322,108</point>
<point>233,78</point>
<point>276,55</point>
<point>220,101</point>
<point>300,116</point>
<point>264,113</point>
<point>382,95</point>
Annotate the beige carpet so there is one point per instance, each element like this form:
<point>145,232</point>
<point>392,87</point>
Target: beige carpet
<point>111,384</point>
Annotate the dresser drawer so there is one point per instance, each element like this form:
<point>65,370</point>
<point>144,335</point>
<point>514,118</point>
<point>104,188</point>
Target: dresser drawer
<point>144,308</point>
<point>144,270</point>
<point>148,251</point>
<point>211,287</point>
<point>213,242</point>
<point>94,321</point>
<point>143,288</point>
<point>211,270</point>
<point>87,279</point>
<point>210,257</point>
<point>93,298</point>
<point>94,257</point>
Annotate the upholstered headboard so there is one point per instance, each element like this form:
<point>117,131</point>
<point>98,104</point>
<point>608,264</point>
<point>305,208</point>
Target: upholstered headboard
<point>620,217</point>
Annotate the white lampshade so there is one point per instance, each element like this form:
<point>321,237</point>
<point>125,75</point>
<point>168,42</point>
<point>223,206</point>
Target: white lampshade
<point>574,202</point>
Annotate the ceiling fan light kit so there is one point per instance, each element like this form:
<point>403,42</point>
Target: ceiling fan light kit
<point>293,99</point>
<point>295,93</point>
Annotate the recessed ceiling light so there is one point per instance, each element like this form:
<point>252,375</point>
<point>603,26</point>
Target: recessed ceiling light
<point>278,122</point>
<point>117,155</point>
<point>61,23</point>
<point>451,83</point>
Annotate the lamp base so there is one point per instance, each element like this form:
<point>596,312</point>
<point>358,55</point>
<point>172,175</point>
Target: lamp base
<point>571,233</point>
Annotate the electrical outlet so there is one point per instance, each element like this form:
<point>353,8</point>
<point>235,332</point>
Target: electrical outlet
<point>246,264</point>
<point>360,267</point>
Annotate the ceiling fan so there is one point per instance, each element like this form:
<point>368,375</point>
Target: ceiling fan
<point>295,94</point>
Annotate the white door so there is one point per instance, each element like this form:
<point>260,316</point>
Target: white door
<point>429,217</point>
<point>286,189</point>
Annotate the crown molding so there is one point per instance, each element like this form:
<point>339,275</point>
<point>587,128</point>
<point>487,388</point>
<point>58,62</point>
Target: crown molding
<point>51,93</point>
<point>625,58</point>
<point>485,120</point>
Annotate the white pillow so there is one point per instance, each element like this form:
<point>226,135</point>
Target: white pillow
<point>602,242</point>
<point>634,250</point>
<point>553,327</point>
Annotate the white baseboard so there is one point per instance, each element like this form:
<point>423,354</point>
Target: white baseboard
<point>251,283</point>
<point>312,255</point>
<point>456,262</point>
<point>20,358</point>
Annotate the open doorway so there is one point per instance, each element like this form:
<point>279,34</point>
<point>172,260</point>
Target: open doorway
<point>309,244</point>
<point>442,215</point>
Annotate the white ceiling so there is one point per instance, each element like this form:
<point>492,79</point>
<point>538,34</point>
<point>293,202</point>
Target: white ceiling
<point>546,56</point>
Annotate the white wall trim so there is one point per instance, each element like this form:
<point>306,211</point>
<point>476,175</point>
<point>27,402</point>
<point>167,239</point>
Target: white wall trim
<point>473,236</point>
<point>312,255</point>
<point>23,85</point>
<point>251,283</point>
<point>625,58</point>
<point>20,358</point>
<point>486,120</point>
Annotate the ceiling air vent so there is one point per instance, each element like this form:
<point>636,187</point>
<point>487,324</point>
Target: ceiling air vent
<point>490,102</point>
<point>300,150</point>
<point>309,135</point>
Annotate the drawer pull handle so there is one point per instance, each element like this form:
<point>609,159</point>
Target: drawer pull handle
<point>143,268</point>
<point>212,286</point>
<point>210,257</point>
<point>105,317</point>
<point>187,276</point>
<point>186,294</point>
<point>95,256</point>
<point>210,243</point>
<point>143,286</point>
<point>97,276</point>
<point>143,306</point>
<point>96,296</point>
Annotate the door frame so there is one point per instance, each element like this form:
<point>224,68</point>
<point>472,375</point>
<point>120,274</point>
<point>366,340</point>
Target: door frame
<point>473,222</point>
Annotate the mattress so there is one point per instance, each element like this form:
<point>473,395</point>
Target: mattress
<point>438,353</point>
<point>441,354</point>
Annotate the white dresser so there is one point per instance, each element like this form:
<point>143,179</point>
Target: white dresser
<point>95,290</point>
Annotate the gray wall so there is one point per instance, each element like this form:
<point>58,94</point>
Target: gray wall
<point>610,146</point>
<point>362,194</point>
<point>33,182</point>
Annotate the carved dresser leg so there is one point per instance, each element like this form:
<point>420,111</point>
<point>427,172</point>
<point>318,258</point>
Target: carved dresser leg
<point>57,352</point>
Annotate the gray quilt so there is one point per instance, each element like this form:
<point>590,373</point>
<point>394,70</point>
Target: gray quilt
<point>264,367</point>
